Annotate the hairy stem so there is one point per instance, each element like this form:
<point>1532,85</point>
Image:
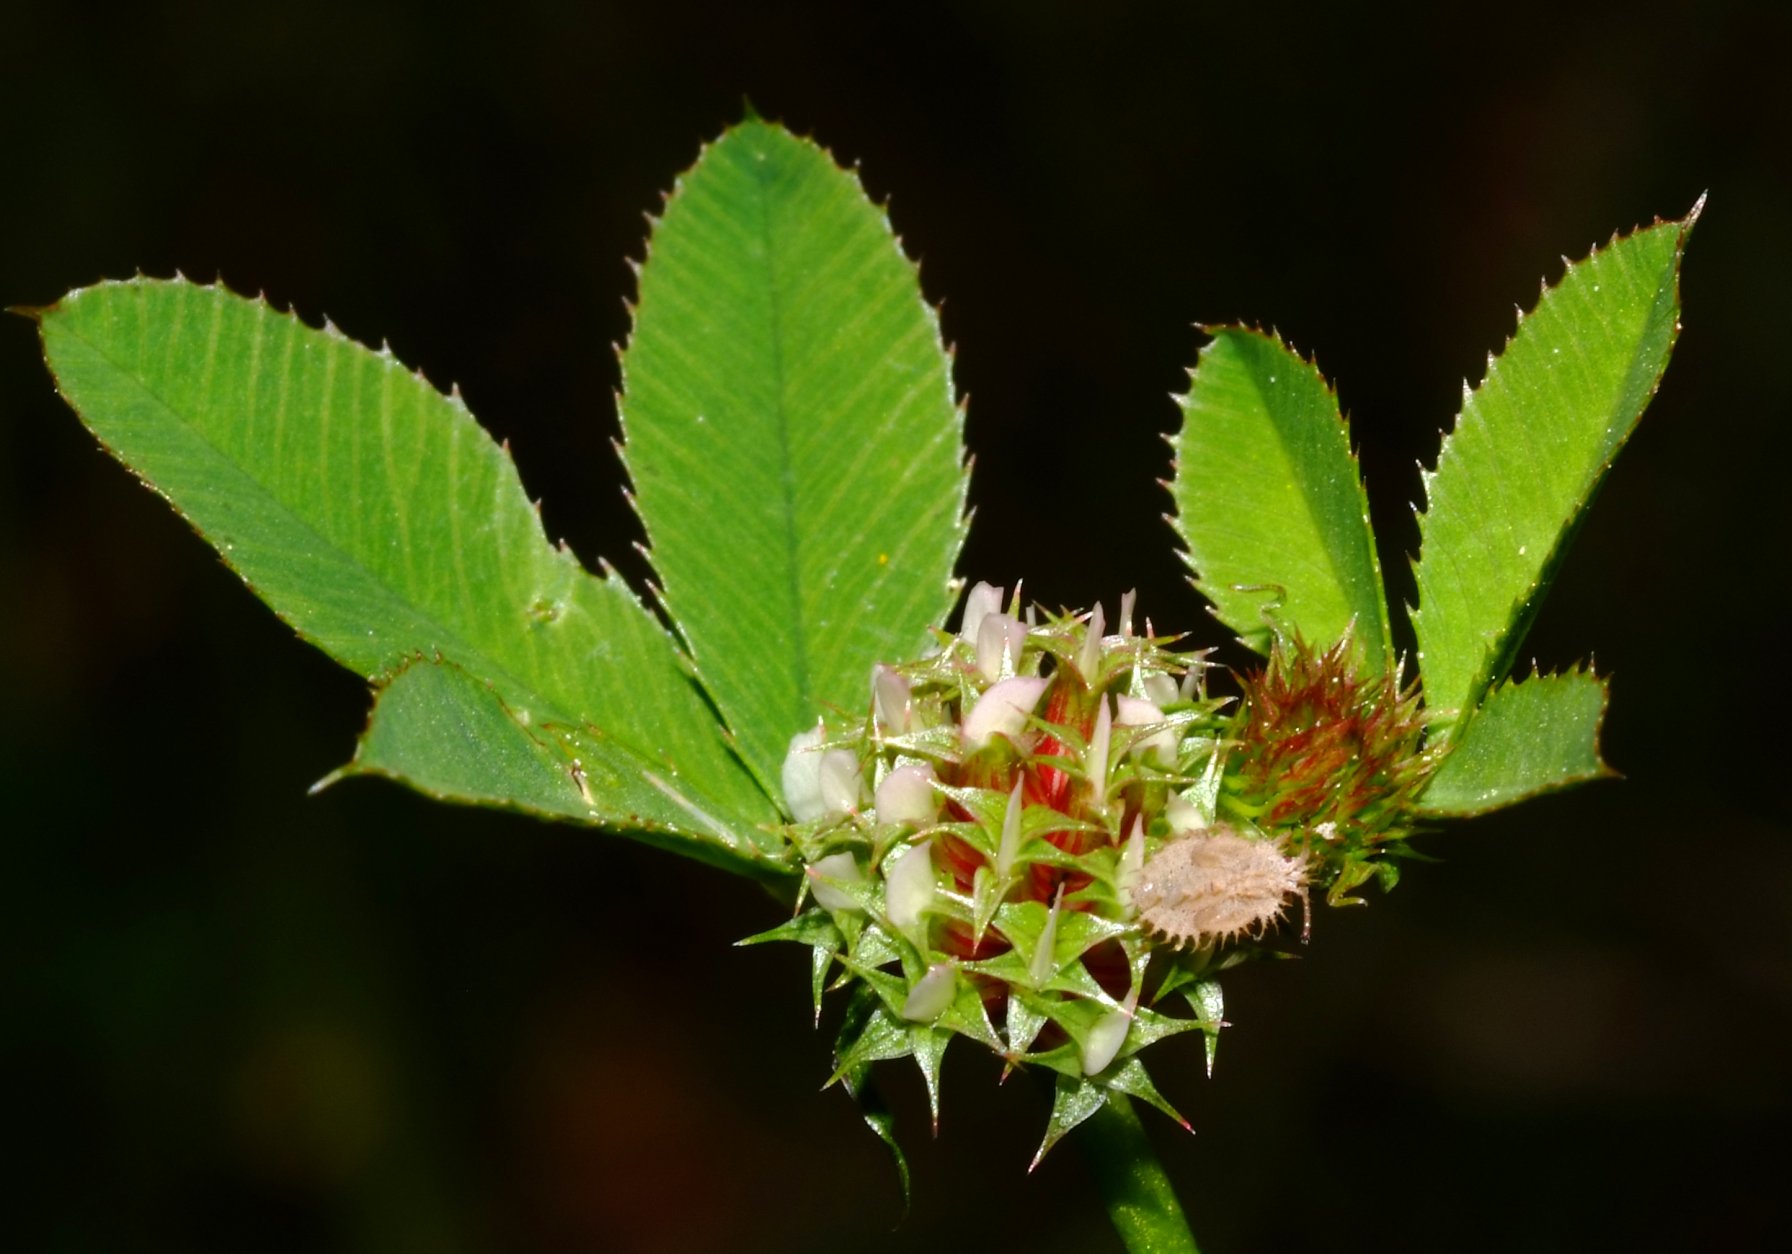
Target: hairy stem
<point>1141,1204</point>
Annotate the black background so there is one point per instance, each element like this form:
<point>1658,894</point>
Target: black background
<point>237,1017</point>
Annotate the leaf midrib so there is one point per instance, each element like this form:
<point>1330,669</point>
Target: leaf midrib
<point>786,476</point>
<point>1309,497</point>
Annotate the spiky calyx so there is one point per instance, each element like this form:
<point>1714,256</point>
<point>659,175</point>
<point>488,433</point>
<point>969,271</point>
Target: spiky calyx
<point>1040,831</point>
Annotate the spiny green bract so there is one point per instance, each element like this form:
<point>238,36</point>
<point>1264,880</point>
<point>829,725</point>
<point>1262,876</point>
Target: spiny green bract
<point>1040,832</point>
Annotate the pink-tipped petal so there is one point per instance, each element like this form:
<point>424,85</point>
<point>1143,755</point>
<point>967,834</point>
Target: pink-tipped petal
<point>1002,710</point>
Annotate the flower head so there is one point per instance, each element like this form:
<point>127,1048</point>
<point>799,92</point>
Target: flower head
<point>1039,830</point>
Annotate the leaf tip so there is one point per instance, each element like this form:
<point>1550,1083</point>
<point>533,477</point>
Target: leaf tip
<point>334,777</point>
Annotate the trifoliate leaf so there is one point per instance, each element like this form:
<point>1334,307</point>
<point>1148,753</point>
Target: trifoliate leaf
<point>376,517</point>
<point>449,735</point>
<point>1528,737</point>
<point>1270,503</point>
<point>1529,451</point>
<point>792,436</point>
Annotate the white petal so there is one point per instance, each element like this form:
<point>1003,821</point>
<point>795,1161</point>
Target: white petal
<point>1161,688</point>
<point>1104,1041</point>
<point>909,886</point>
<point>1134,712</point>
<point>907,795</point>
<point>802,776</point>
<point>1190,687</point>
<point>932,993</point>
<point>842,783</point>
<point>982,600</point>
<point>836,866</point>
<point>1132,860</point>
<point>1000,639</point>
<point>1002,709</point>
<point>1089,660</point>
<point>1183,814</point>
<point>890,697</point>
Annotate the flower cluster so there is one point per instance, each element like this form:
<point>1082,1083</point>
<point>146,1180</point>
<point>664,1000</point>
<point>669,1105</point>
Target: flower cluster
<point>1043,834</point>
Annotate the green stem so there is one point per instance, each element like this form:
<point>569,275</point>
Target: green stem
<point>1141,1204</point>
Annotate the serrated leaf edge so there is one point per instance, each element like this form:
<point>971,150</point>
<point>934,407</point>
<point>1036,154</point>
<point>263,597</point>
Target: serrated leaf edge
<point>1525,607</point>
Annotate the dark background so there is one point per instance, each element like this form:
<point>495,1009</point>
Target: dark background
<point>236,1017</point>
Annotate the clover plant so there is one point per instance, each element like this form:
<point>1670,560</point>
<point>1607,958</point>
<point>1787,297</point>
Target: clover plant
<point>1045,831</point>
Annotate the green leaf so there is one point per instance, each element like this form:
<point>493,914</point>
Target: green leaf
<point>1528,737</point>
<point>449,735</point>
<point>1269,501</point>
<point>376,517</point>
<point>1528,453</point>
<point>792,436</point>
<point>1024,923</point>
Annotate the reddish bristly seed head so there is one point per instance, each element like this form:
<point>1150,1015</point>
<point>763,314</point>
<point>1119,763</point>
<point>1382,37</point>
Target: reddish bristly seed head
<point>1322,742</point>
